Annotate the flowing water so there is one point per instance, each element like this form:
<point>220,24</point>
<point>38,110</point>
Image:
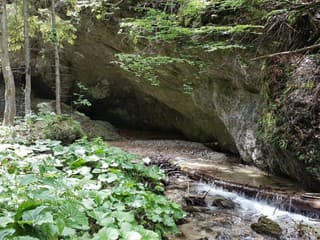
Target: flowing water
<point>257,207</point>
<point>213,223</point>
<point>216,223</point>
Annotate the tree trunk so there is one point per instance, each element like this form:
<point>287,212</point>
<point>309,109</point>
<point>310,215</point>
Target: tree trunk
<point>56,59</point>
<point>27,91</point>
<point>10,92</point>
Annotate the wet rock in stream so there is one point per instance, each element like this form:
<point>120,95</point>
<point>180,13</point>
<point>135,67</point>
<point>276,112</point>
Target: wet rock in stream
<point>222,202</point>
<point>195,201</point>
<point>267,227</point>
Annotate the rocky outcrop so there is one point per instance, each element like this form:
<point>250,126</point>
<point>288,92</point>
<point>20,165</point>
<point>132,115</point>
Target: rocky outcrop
<point>292,133</point>
<point>224,106</point>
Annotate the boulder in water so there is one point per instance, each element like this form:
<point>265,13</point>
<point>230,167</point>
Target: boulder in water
<point>267,227</point>
<point>195,201</point>
<point>222,202</point>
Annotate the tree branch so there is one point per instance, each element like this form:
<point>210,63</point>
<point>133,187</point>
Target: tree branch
<point>287,52</point>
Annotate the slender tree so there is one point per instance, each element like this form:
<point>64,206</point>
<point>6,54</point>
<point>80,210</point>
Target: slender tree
<point>27,96</point>
<point>10,93</point>
<point>56,58</point>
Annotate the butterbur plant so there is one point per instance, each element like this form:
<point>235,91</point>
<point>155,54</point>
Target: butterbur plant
<point>86,190</point>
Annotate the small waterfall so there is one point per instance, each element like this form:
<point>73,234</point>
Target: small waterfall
<point>274,208</point>
<point>304,204</point>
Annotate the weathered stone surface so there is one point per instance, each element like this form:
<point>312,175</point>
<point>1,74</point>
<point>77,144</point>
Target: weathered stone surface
<point>297,117</point>
<point>97,128</point>
<point>223,106</point>
<point>267,227</point>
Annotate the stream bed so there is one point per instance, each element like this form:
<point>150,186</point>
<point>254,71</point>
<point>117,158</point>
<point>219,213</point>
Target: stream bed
<point>183,160</point>
<point>227,223</point>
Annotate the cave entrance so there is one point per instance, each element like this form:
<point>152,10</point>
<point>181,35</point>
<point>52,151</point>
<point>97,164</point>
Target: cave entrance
<point>138,116</point>
<point>142,117</point>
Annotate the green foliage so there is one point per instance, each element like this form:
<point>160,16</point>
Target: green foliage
<point>83,191</point>
<point>40,26</point>
<point>157,25</point>
<point>187,88</point>
<point>60,127</point>
<point>64,33</point>
<point>146,67</point>
<point>215,46</point>
<point>192,8</point>
<point>268,123</point>
<point>15,27</point>
<point>233,4</point>
<point>102,9</point>
<point>80,98</point>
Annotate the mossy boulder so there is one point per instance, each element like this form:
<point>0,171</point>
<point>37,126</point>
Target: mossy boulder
<point>91,128</point>
<point>268,227</point>
<point>58,127</point>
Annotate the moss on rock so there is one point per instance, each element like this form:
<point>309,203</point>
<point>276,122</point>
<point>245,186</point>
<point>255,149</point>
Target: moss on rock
<point>90,128</point>
<point>267,227</point>
<point>290,123</point>
<point>58,127</point>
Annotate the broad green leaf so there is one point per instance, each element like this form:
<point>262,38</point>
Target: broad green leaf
<point>49,230</point>
<point>168,221</point>
<point>4,221</point>
<point>68,232</point>
<point>38,216</point>
<point>28,179</point>
<point>27,205</point>
<point>132,235</point>
<point>107,234</point>
<point>106,222</point>
<point>124,216</point>
<point>60,225</point>
<point>4,233</point>
<point>73,216</point>
<point>150,235</point>
<point>111,178</point>
<point>77,163</point>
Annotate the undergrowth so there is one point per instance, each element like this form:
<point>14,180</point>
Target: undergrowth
<point>85,190</point>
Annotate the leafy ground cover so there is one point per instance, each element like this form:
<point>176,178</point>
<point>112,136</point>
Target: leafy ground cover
<point>85,190</point>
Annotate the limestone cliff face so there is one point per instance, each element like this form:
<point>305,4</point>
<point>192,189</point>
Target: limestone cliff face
<point>225,104</point>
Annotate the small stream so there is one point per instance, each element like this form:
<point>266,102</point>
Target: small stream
<point>219,223</point>
<point>255,207</point>
<point>253,192</point>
